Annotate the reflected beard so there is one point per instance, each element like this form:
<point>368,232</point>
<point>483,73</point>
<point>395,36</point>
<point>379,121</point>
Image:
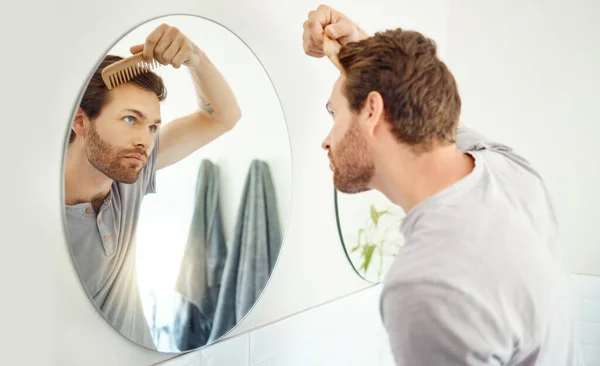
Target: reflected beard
<point>352,168</point>
<point>109,159</point>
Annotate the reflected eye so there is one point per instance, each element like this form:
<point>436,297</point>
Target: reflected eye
<point>153,128</point>
<point>129,119</point>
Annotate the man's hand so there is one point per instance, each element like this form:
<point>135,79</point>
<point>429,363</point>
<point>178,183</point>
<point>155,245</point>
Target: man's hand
<point>325,20</point>
<point>167,45</point>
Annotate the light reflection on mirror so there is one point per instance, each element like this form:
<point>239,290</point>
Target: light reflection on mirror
<point>369,230</point>
<point>175,265</point>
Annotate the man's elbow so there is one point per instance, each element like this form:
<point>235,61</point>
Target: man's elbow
<point>231,119</point>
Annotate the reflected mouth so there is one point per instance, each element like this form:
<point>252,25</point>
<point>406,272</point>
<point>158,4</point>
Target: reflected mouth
<point>138,157</point>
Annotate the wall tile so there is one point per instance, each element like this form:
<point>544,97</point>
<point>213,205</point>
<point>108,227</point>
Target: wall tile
<point>591,355</point>
<point>589,333</point>
<point>231,352</point>
<point>589,310</point>
<point>587,286</point>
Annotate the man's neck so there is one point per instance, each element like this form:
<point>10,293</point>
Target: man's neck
<point>83,182</point>
<point>407,180</point>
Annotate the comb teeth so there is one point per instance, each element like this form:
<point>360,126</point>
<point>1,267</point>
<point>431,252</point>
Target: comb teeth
<point>124,70</point>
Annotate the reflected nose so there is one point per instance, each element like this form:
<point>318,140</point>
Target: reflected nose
<point>144,142</point>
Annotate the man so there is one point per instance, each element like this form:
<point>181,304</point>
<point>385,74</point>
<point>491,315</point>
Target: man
<point>113,153</point>
<point>479,280</point>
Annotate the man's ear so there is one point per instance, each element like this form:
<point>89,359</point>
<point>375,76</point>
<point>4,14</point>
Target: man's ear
<point>79,122</point>
<point>374,112</point>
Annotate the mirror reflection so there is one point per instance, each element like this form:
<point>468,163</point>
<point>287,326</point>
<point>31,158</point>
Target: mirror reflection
<point>369,229</point>
<point>177,184</point>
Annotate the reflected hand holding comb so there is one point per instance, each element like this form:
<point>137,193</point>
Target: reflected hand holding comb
<point>166,45</point>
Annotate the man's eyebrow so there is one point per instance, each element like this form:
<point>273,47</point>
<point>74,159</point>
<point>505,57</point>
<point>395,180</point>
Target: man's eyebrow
<point>140,114</point>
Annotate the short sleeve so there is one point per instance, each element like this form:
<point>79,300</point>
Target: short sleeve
<point>150,169</point>
<point>430,325</point>
<point>468,139</point>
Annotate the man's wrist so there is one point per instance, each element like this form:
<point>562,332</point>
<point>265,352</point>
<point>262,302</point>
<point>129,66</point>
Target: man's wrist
<point>362,34</point>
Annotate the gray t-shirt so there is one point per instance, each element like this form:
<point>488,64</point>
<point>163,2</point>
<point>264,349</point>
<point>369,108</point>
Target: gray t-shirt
<point>103,249</point>
<point>480,279</point>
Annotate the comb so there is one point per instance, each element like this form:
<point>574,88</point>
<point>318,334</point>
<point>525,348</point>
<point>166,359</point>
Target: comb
<point>331,48</point>
<point>126,69</point>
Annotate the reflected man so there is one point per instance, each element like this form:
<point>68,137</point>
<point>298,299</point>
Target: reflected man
<point>113,153</point>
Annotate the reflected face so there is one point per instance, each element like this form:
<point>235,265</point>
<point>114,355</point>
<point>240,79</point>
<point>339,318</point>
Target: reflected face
<point>119,141</point>
<point>353,168</point>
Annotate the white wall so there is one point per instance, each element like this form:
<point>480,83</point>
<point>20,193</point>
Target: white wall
<point>528,75</point>
<point>51,51</point>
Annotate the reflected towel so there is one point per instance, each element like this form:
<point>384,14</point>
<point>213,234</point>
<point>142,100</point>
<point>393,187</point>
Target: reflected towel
<point>201,271</point>
<point>253,252</point>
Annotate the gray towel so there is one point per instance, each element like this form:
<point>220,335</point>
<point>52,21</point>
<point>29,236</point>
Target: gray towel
<point>201,270</point>
<point>253,252</point>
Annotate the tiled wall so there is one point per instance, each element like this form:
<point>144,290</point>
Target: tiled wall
<point>349,332</point>
<point>588,290</point>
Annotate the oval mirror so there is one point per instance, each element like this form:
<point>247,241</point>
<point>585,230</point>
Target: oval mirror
<point>177,184</point>
<point>369,229</point>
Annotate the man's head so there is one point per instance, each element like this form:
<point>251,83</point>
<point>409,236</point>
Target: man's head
<point>393,88</point>
<point>117,127</point>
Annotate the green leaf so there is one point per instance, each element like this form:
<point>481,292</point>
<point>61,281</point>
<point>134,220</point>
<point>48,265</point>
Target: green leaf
<point>374,215</point>
<point>355,249</point>
<point>368,251</point>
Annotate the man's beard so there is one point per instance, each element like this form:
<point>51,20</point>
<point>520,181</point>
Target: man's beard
<point>352,168</point>
<point>109,159</point>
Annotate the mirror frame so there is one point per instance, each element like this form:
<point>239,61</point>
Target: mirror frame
<point>341,235</point>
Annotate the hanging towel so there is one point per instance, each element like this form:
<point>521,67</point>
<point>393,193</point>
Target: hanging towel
<point>253,252</point>
<point>201,271</point>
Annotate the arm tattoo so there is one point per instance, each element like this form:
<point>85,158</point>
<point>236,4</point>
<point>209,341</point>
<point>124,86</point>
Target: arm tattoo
<point>206,106</point>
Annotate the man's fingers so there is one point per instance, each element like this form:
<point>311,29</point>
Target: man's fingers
<point>343,31</point>
<point>314,32</point>
<point>168,38</point>
<point>151,42</point>
<point>172,50</point>
<point>136,49</point>
<point>321,15</point>
<point>178,60</point>
<point>315,52</point>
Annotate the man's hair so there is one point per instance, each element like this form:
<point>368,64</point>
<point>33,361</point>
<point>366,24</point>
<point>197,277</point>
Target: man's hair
<point>419,93</point>
<point>96,94</point>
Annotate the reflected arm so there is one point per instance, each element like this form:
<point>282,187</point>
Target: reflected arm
<point>218,112</point>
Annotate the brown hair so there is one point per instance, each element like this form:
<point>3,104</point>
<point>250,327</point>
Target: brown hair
<point>96,93</point>
<point>419,93</point>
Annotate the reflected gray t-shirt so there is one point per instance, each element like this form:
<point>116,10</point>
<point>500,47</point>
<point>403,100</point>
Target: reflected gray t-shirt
<point>103,249</point>
<point>480,279</point>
